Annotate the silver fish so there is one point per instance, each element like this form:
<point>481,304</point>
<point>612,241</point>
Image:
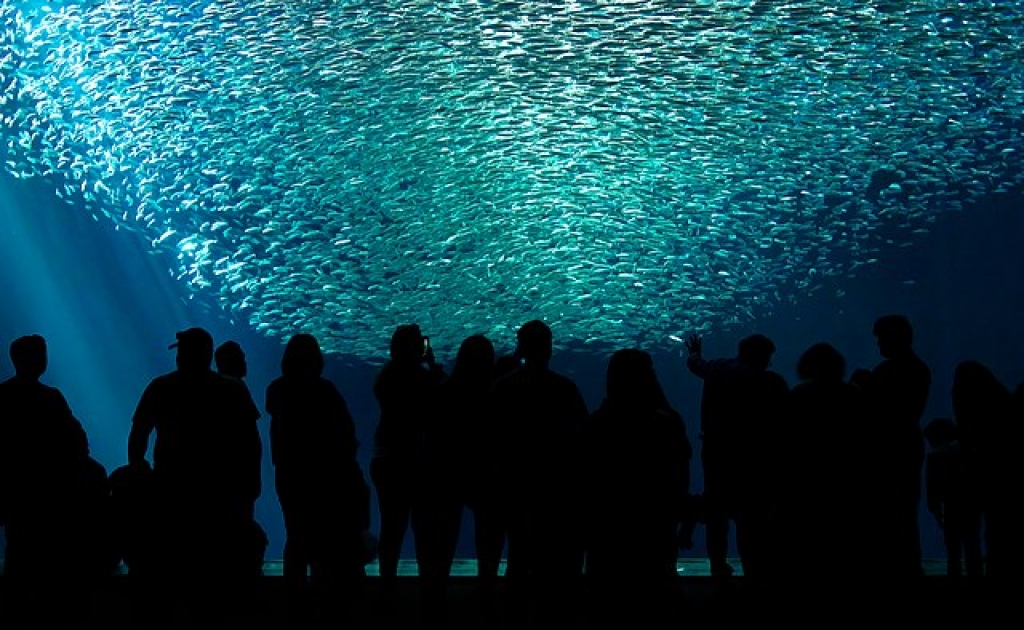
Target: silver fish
<point>627,171</point>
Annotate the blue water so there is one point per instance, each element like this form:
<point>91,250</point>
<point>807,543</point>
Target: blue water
<point>108,309</point>
<point>627,173</point>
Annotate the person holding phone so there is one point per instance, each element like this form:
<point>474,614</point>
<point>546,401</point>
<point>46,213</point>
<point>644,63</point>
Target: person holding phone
<point>428,352</point>
<point>404,389</point>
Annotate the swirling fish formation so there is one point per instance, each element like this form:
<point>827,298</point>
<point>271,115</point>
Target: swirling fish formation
<point>627,170</point>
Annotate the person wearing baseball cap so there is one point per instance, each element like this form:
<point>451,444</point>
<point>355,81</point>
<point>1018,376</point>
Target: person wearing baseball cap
<point>195,348</point>
<point>200,421</point>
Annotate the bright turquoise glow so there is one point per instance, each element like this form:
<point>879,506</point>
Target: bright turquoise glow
<point>626,171</point>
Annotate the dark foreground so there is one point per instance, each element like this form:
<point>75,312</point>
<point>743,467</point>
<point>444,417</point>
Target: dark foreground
<point>698,602</point>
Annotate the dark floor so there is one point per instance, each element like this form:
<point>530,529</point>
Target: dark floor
<point>686,567</point>
<point>697,601</point>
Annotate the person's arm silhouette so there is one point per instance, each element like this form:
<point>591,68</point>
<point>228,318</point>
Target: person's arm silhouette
<point>143,425</point>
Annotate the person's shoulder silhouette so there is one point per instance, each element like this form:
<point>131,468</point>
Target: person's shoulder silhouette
<point>34,410</point>
<point>900,367</point>
<point>898,386</point>
<point>534,394</point>
<point>635,419</point>
<point>308,413</point>
<point>979,398</point>
<point>455,423</point>
<point>53,494</point>
<point>897,391</point>
<point>539,411</point>
<point>204,477</point>
<point>36,421</point>
<point>201,420</point>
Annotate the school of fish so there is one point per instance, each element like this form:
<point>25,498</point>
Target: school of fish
<point>628,171</point>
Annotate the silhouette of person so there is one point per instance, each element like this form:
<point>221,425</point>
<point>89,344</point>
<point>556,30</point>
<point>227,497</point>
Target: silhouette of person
<point>950,495</point>
<point>823,490</point>
<point>318,479</point>
<point>405,389</point>
<point>53,497</point>
<point>133,516</point>
<point>460,445</point>
<point>541,415</point>
<point>982,410</point>
<point>637,471</point>
<point>1004,526</point>
<point>897,390</point>
<point>742,404</point>
<point>202,477</point>
<point>229,359</point>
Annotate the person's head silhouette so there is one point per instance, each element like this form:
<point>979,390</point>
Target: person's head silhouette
<point>475,357</point>
<point>534,343</point>
<point>28,356</point>
<point>756,351</point>
<point>407,345</point>
<point>821,362</point>
<point>303,357</point>
<point>631,379</point>
<point>230,360</point>
<point>195,349</point>
<point>894,334</point>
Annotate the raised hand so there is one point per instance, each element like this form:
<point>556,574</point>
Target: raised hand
<point>693,344</point>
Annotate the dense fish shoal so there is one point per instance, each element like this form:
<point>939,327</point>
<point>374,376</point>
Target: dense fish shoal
<point>628,171</point>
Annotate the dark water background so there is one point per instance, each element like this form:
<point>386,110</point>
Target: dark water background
<point>108,309</point>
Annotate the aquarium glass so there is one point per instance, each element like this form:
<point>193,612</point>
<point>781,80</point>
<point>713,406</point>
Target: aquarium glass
<point>629,171</point>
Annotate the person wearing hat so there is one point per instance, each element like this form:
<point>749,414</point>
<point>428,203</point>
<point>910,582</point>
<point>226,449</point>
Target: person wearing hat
<point>199,421</point>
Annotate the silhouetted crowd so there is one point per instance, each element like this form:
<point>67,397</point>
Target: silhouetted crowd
<point>588,507</point>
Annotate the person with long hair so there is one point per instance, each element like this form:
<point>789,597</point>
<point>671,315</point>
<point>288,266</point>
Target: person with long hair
<point>313,447</point>
<point>460,449</point>
<point>982,407</point>
<point>637,467</point>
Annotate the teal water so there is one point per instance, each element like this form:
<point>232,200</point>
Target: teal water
<point>627,171</point>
